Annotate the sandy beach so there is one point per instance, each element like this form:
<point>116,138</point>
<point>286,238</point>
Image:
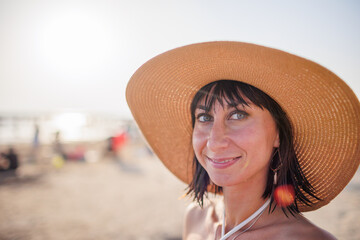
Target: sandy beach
<point>135,198</point>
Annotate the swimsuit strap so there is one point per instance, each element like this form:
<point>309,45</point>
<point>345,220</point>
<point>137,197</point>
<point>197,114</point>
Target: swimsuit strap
<point>243,223</point>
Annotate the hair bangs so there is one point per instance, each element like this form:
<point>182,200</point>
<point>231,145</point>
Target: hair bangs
<point>233,93</point>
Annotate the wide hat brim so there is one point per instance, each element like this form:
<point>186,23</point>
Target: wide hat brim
<point>323,110</point>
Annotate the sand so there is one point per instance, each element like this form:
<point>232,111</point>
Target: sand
<point>136,198</point>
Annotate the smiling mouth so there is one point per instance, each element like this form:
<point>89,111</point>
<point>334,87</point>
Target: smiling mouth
<point>222,160</point>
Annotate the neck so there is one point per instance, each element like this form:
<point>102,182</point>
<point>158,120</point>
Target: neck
<point>242,200</point>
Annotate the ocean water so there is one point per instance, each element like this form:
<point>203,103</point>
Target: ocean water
<point>72,126</point>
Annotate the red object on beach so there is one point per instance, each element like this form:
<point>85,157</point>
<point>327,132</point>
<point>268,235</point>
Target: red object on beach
<point>118,141</point>
<point>284,195</point>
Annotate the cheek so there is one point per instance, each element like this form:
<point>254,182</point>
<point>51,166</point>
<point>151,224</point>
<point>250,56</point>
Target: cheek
<point>244,137</point>
<point>253,142</point>
<point>198,141</point>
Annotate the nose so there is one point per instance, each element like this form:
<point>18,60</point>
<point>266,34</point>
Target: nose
<point>217,139</point>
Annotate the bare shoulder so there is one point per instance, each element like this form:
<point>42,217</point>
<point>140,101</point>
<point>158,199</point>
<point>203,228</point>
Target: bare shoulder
<point>200,221</point>
<point>193,214</point>
<point>300,228</point>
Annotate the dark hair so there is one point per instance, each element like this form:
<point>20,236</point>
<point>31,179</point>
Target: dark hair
<point>289,172</point>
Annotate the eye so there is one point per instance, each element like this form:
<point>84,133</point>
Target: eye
<point>238,115</point>
<point>204,117</point>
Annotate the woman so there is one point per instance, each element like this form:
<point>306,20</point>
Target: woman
<point>273,133</point>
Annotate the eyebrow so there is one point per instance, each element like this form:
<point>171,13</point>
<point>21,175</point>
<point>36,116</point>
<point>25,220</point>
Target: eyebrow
<point>207,109</point>
<point>202,107</point>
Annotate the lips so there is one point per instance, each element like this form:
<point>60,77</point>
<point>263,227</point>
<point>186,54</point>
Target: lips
<point>222,162</point>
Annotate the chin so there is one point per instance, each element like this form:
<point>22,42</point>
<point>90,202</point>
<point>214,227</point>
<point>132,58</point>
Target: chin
<point>223,181</point>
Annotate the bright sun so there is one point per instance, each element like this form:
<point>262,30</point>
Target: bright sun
<point>75,40</point>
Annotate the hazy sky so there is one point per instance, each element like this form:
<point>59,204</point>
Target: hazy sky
<point>79,55</point>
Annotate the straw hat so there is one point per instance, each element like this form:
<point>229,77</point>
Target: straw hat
<point>323,110</point>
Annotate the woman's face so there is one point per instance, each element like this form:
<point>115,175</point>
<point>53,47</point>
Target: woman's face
<point>234,143</point>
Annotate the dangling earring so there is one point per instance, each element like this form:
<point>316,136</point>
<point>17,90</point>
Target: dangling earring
<point>278,167</point>
<point>284,195</point>
<point>275,178</point>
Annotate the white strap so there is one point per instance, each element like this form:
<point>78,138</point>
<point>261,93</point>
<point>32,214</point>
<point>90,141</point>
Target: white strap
<point>243,223</point>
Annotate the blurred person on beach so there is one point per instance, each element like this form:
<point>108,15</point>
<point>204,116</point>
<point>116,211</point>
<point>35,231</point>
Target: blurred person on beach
<point>116,143</point>
<point>59,156</point>
<point>10,160</point>
<point>34,155</point>
<point>260,136</point>
<point>58,148</point>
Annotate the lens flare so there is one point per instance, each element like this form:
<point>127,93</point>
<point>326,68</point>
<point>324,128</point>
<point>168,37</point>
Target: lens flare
<point>284,195</point>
